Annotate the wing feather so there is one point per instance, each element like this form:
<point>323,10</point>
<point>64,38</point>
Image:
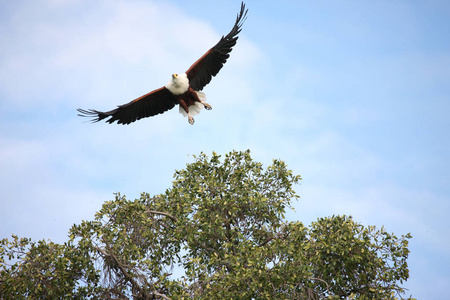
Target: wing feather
<point>202,71</point>
<point>153,103</point>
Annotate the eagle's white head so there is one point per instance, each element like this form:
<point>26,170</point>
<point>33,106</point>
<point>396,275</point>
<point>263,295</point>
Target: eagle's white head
<point>179,84</point>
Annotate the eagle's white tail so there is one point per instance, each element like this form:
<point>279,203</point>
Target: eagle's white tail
<point>201,95</point>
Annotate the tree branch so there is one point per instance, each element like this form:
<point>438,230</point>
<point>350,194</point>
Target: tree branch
<point>126,274</point>
<point>162,213</point>
<point>275,237</point>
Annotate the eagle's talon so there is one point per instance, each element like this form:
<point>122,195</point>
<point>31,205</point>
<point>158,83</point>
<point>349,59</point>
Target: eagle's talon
<point>207,106</point>
<point>191,120</point>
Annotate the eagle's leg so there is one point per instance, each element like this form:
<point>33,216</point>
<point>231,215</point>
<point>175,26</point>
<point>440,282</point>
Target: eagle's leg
<point>186,109</point>
<point>206,105</point>
<point>191,119</point>
<point>200,97</point>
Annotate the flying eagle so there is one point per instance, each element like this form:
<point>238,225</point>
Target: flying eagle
<point>183,89</point>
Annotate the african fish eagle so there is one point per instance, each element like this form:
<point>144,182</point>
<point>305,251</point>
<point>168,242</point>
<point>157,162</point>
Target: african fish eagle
<point>183,89</point>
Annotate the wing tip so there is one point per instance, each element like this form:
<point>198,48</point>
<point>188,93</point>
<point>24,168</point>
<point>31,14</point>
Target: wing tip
<point>91,113</point>
<point>240,19</point>
<point>242,16</point>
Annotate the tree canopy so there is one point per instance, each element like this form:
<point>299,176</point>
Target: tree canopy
<point>218,233</point>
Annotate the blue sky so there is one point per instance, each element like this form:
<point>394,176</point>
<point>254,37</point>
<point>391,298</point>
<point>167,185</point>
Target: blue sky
<point>353,95</point>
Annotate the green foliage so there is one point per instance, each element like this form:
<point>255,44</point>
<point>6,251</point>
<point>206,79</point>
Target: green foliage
<point>354,260</point>
<point>221,225</point>
<point>45,270</point>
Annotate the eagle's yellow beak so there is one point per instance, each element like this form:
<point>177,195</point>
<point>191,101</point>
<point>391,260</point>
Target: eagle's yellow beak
<point>174,75</point>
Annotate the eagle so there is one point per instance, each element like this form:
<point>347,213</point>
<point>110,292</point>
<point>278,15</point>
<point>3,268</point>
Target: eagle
<point>183,89</point>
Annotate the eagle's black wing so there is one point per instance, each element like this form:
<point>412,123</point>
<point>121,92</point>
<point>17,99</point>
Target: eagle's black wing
<point>153,103</point>
<point>202,71</point>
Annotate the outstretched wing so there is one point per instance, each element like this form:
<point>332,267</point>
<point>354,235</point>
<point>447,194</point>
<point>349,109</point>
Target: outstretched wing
<point>153,103</point>
<point>202,71</point>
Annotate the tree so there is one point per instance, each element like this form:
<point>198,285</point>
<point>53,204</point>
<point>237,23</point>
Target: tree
<point>221,229</point>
